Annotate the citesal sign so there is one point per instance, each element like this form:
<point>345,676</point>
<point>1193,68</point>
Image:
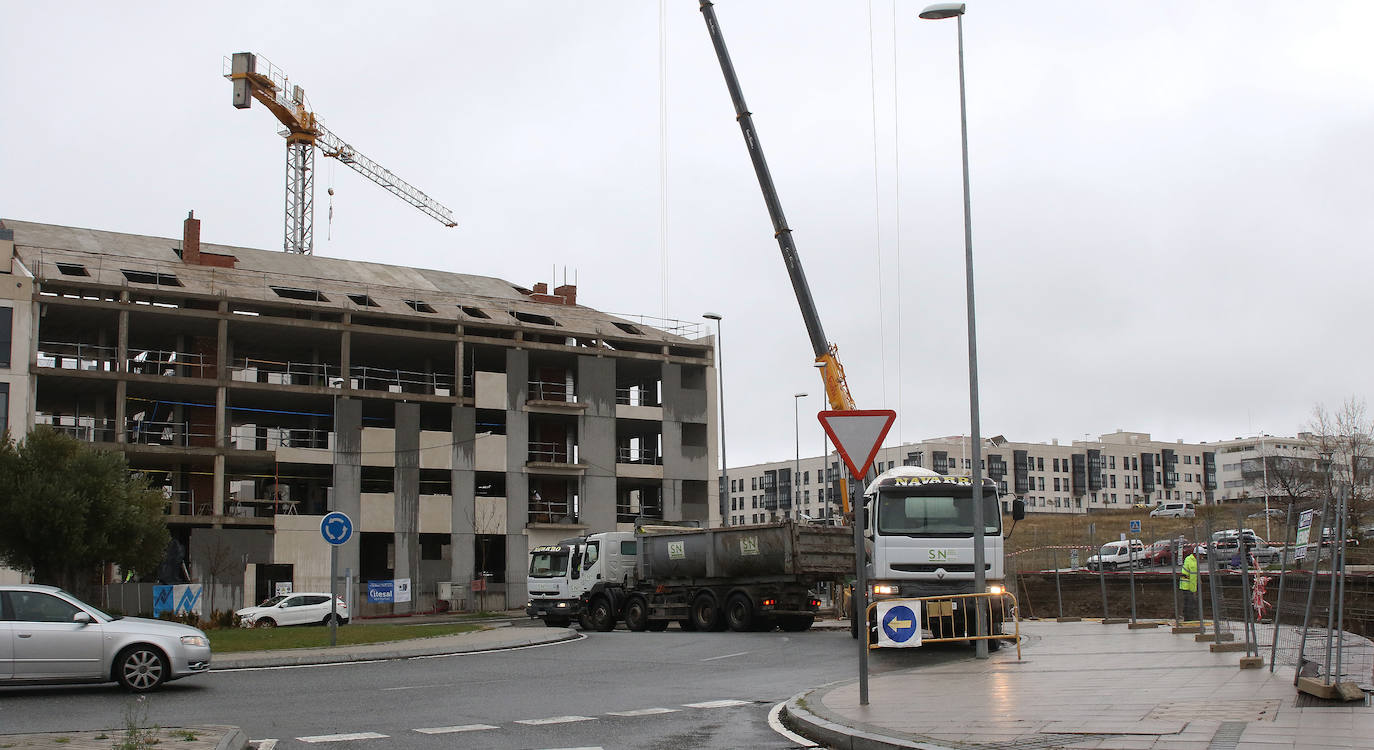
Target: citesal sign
<point>899,624</point>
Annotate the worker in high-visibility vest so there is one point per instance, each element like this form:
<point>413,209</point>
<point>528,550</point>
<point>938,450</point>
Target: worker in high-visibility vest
<point>1187,583</point>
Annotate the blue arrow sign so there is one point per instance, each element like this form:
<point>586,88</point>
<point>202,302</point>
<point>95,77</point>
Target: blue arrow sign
<point>899,624</point>
<point>336,528</point>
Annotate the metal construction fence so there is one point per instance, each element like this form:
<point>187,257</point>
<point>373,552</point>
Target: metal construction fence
<point>1266,597</point>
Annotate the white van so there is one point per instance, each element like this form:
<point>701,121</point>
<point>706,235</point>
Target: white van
<point>1174,510</point>
<point>1118,556</point>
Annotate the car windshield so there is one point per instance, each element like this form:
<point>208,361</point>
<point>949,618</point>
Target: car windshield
<point>549,564</point>
<point>94,609</point>
<point>940,516</point>
<point>274,601</point>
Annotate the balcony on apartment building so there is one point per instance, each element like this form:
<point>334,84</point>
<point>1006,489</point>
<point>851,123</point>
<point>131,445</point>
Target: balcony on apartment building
<point>639,391</point>
<point>638,502</point>
<point>554,502</point>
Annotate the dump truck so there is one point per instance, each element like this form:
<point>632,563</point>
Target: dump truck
<point>744,578</point>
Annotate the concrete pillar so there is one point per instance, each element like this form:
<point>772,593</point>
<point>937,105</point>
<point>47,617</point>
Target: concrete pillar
<point>597,441</point>
<point>348,475</point>
<point>406,502</point>
<point>517,480</point>
<point>122,367</point>
<point>464,509</point>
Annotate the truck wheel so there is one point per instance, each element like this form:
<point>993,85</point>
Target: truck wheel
<point>739,613</point>
<point>601,615</point>
<point>796,623</point>
<point>637,614</point>
<point>705,614</point>
<point>584,621</point>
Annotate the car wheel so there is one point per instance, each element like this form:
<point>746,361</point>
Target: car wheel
<point>601,617</point>
<point>140,668</point>
<point>265,622</point>
<point>705,614</point>
<point>739,613</point>
<point>637,615</point>
<point>335,618</point>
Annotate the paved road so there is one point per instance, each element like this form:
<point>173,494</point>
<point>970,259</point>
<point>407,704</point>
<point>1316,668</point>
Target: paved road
<point>611,690</point>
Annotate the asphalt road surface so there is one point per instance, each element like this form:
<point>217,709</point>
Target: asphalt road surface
<point>612,690</point>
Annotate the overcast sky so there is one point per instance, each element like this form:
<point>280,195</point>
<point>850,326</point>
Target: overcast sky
<point>1171,200</point>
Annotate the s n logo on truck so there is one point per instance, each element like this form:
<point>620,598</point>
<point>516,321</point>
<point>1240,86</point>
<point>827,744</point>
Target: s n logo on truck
<point>749,545</point>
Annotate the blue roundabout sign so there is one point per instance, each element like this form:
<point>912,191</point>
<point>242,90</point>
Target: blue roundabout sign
<point>336,528</point>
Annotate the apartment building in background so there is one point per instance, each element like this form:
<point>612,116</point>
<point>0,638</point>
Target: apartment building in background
<point>1113,471</point>
<point>457,419</point>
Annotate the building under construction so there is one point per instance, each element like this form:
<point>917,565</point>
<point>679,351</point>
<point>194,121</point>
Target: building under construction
<point>458,420</point>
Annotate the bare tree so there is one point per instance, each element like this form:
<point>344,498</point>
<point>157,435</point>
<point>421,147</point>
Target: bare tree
<point>1348,434</point>
<point>220,562</point>
<point>1286,473</point>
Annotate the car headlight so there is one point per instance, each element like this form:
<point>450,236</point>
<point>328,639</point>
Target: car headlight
<point>561,604</point>
<point>884,589</point>
<point>996,589</point>
<point>194,640</point>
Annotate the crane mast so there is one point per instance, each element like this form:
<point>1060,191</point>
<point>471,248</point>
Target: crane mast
<point>827,354</point>
<point>253,77</point>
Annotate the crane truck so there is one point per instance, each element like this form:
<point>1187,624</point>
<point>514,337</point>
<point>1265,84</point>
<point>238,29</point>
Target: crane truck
<point>743,578</point>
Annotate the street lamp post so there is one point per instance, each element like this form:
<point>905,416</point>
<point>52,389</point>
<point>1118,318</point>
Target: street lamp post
<point>956,11</point>
<point>720,388</point>
<point>796,470</point>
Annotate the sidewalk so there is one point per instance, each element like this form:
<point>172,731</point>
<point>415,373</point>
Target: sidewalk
<point>501,636</point>
<point>1084,685</point>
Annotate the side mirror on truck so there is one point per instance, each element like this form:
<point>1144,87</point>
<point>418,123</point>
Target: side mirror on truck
<point>1018,509</point>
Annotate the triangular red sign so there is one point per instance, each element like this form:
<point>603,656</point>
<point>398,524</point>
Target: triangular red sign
<point>857,434</point>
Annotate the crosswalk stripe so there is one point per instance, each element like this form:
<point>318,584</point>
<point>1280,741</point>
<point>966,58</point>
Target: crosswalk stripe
<point>343,737</point>
<point>554,720</point>
<point>717,704</point>
<point>643,712</point>
<point>459,728</point>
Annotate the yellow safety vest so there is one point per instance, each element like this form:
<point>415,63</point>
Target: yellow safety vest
<point>1188,582</point>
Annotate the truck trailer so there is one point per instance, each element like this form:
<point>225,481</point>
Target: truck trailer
<point>744,578</point>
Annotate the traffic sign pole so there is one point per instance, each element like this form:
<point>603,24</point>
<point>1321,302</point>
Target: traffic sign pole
<point>333,595</point>
<point>860,595</point>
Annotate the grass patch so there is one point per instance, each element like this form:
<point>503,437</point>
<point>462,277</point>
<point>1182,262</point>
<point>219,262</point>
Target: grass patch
<point>317,636</point>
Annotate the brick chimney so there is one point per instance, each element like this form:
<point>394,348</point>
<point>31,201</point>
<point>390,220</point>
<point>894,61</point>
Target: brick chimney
<point>190,239</point>
<point>541,288</point>
<point>568,292</point>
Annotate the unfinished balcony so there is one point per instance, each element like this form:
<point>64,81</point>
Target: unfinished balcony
<point>639,450</point>
<point>638,501</point>
<point>554,503</point>
<point>553,447</point>
<point>639,391</point>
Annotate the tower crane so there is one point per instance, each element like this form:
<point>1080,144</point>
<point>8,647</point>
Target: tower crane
<point>253,77</point>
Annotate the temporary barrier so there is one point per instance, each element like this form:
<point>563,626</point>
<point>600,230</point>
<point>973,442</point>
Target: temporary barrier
<point>951,617</point>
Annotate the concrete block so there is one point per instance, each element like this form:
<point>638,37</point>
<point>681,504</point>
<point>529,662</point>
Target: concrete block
<point>1114,620</point>
<point>1218,648</point>
<point>1142,625</point>
<point>1251,662</point>
<point>1068,619</point>
<point>1210,637</point>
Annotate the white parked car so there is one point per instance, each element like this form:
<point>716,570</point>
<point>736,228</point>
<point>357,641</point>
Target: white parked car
<point>306,608</point>
<point>1118,556</point>
<point>49,636</point>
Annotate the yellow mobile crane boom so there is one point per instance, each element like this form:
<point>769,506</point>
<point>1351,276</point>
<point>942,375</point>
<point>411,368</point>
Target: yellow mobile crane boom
<point>827,356</point>
<point>254,77</point>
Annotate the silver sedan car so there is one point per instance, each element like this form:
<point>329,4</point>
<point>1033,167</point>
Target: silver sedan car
<point>49,636</point>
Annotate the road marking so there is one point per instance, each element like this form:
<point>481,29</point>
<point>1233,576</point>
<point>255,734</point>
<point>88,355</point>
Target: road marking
<point>343,737</point>
<point>450,730</point>
<point>643,712</point>
<point>554,720</point>
<point>717,704</point>
<point>727,656</point>
<point>775,722</point>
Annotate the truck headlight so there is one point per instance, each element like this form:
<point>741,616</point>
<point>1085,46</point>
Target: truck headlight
<point>996,588</point>
<point>884,589</point>
<point>561,604</point>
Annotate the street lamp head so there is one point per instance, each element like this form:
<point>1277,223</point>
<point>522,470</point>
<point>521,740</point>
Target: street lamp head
<point>942,10</point>
<point>800,395</point>
<point>711,316</point>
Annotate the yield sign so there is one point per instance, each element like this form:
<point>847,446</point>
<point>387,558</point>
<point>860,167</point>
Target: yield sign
<point>857,435</point>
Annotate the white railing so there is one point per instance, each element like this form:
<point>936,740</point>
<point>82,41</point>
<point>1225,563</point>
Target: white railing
<point>64,355</point>
<point>551,390</point>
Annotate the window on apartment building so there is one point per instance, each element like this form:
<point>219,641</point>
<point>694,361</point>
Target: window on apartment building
<point>753,483</point>
<point>1187,459</point>
<point>1040,465</point>
<point>1056,479</point>
<point>72,269</point>
<point>6,334</point>
<point>1056,464</point>
<point>806,477</point>
<point>150,277</point>
<point>1135,482</point>
<point>1111,462</point>
<point>362,300</point>
<point>1187,477</point>
<point>419,305</point>
<point>1113,497</point>
<point>305,295</point>
<point>1040,481</point>
<point>1111,481</point>
<point>4,407</point>
<point>806,496</point>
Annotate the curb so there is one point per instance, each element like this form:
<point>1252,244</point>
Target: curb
<point>840,736</point>
<point>233,739</point>
<point>317,657</point>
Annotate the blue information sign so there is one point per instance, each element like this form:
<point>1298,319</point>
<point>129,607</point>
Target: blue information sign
<point>899,624</point>
<point>336,528</point>
<point>1135,527</point>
